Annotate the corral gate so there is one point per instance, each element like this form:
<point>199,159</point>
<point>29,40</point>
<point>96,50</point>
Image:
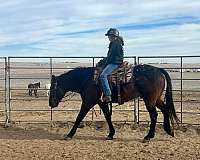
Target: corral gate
<point>24,70</point>
<point>185,74</point>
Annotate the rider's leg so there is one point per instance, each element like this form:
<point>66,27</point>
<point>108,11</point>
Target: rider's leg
<point>104,81</point>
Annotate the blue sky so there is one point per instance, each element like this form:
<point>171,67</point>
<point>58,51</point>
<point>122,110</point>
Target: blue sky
<point>77,27</point>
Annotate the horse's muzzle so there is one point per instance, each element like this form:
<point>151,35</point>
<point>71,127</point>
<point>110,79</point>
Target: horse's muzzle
<point>53,104</point>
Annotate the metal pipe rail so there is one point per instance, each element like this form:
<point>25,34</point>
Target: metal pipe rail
<point>50,68</point>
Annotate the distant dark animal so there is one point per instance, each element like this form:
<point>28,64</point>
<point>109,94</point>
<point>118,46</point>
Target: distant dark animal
<point>148,83</point>
<point>33,87</point>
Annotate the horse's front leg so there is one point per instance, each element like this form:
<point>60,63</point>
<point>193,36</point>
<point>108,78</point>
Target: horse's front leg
<point>82,113</point>
<point>30,92</point>
<point>107,115</point>
<point>35,93</point>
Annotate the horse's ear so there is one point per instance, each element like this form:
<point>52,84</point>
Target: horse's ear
<point>53,78</point>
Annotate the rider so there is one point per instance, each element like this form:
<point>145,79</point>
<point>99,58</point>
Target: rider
<point>113,60</point>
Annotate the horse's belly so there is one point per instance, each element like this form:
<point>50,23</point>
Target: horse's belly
<point>129,92</point>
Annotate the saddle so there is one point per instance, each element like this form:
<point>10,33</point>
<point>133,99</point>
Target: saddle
<point>121,75</point>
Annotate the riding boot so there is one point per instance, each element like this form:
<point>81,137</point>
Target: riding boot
<point>107,99</point>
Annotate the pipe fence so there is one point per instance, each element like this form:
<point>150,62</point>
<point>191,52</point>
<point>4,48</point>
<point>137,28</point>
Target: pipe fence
<point>25,70</point>
<point>185,74</point>
<point>21,71</point>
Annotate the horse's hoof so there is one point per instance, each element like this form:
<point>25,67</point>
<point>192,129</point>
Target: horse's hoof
<point>146,140</point>
<point>109,138</point>
<point>172,133</point>
<point>66,137</point>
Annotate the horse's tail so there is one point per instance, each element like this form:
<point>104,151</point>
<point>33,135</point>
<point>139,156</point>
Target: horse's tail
<point>169,99</point>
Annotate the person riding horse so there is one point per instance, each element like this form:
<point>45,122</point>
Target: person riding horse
<point>113,60</point>
<point>148,83</point>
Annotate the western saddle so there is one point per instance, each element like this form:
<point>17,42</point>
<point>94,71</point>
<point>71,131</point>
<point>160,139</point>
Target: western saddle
<point>119,76</point>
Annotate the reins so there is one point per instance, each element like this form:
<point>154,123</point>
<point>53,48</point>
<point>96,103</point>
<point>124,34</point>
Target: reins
<point>65,100</point>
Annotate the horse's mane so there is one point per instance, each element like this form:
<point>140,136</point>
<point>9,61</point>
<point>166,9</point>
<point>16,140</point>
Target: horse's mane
<point>79,73</point>
<point>81,70</point>
<point>76,78</point>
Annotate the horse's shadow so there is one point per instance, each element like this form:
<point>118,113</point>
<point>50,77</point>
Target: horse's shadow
<point>117,139</point>
<point>103,138</point>
<point>17,133</point>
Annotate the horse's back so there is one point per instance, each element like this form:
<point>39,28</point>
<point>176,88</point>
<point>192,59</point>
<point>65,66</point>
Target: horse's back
<point>30,85</point>
<point>34,85</point>
<point>148,72</point>
<point>148,79</point>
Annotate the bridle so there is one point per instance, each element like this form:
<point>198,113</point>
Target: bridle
<point>54,91</point>
<point>61,91</point>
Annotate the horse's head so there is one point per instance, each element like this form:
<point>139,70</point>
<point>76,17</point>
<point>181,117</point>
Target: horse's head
<point>56,92</point>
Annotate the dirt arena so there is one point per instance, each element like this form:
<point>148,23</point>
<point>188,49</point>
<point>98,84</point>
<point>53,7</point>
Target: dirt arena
<point>32,134</point>
<point>41,141</point>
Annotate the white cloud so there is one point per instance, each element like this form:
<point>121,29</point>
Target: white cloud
<point>49,27</point>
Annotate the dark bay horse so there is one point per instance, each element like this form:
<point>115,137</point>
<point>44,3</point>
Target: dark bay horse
<point>33,87</point>
<point>148,82</point>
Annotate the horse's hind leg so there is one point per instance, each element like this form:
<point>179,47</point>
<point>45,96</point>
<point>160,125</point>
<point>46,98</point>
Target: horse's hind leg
<point>160,104</point>
<point>107,115</point>
<point>153,116</point>
<point>35,92</point>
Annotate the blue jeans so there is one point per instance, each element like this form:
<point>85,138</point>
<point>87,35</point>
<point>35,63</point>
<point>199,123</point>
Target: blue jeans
<point>104,78</point>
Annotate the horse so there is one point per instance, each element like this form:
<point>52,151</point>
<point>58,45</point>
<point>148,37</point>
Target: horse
<point>33,87</point>
<point>148,82</point>
<point>47,87</point>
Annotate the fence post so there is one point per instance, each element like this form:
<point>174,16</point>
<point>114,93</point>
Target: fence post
<point>135,108</point>
<point>181,89</point>
<point>51,72</point>
<point>7,93</point>
<point>93,107</point>
<point>138,99</point>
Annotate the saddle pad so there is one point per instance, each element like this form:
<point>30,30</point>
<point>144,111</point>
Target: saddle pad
<point>120,75</point>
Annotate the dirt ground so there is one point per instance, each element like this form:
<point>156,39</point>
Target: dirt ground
<point>42,141</point>
<point>33,136</point>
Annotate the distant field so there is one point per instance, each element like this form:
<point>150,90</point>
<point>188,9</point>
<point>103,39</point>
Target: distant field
<point>22,74</point>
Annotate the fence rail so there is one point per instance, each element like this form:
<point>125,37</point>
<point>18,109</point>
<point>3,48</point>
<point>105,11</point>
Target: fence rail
<point>19,71</point>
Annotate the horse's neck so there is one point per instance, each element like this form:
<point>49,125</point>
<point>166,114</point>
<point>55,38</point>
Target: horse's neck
<point>75,80</point>
<point>69,85</point>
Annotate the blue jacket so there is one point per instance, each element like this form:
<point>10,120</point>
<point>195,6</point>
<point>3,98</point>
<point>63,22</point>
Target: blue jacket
<point>115,53</point>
